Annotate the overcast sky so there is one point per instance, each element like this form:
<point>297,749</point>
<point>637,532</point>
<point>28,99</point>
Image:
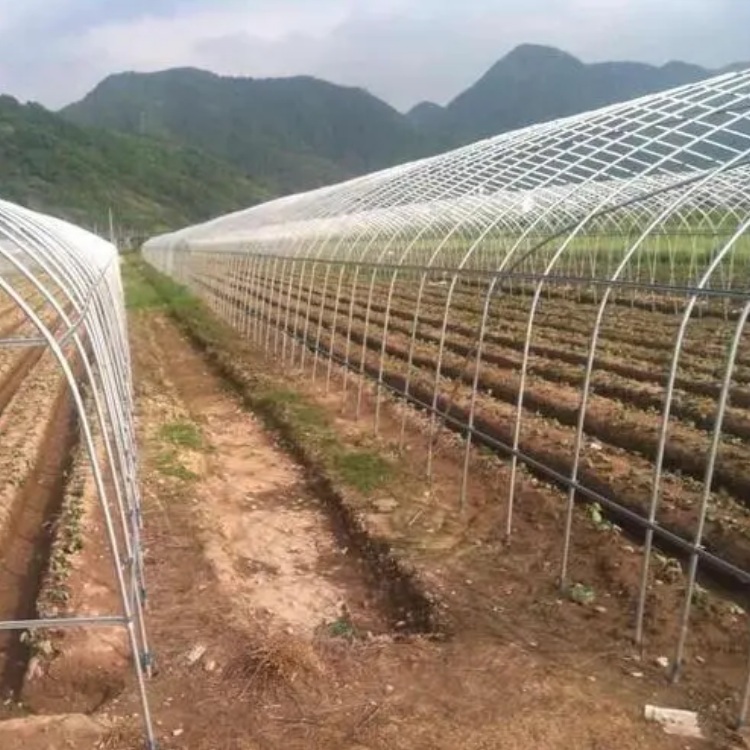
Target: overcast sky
<point>404,51</point>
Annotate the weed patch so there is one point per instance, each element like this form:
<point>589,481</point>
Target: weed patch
<point>362,470</point>
<point>139,293</point>
<point>182,435</point>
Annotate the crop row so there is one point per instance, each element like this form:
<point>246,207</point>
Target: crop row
<point>622,333</point>
<point>613,421</point>
<point>626,475</point>
<point>694,398</point>
<point>705,356</point>
<point>583,291</point>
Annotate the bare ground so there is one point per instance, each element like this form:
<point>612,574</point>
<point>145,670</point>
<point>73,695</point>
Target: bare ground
<point>244,561</point>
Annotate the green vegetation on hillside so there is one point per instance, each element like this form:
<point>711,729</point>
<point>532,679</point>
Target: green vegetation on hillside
<point>292,133</point>
<point>297,133</point>
<point>176,147</point>
<point>51,165</point>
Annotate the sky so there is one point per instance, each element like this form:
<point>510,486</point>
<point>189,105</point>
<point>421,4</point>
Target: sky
<point>404,51</point>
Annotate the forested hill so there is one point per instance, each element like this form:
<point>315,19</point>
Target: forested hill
<point>296,133</point>
<point>290,133</point>
<point>52,165</point>
<point>178,146</point>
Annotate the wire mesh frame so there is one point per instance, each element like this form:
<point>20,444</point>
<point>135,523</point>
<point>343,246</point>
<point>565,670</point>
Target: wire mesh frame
<point>664,176</point>
<point>77,277</point>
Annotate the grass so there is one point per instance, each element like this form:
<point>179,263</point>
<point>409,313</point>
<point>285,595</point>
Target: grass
<point>364,470</point>
<point>309,418</point>
<point>146,288</point>
<point>343,627</point>
<point>175,437</point>
<point>139,294</point>
<point>179,435</point>
<point>182,435</point>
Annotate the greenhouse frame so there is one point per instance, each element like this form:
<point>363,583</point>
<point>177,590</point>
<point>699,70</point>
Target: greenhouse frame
<point>65,386</point>
<point>573,296</point>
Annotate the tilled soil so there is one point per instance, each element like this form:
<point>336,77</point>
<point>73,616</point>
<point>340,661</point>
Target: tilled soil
<point>36,429</point>
<point>271,631</point>
<point>244,562</point>
<point>620,437</point>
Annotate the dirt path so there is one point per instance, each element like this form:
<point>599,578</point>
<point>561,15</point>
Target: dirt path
<point>271,547</point>
<point>244,563</point>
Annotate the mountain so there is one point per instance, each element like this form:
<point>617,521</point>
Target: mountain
<point>291,134</point>
<point>534,83</point>
<point>426,114</point>
<point>288,133</point>
<point>49,164</point>
<point>179,146</point>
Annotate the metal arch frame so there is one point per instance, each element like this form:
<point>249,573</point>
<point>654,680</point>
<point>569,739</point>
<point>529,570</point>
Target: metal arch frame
<point>585,391</point>
<point>76,276</point>
<point>537,295</point>
<point>592,201</point>
<point>508,257</point>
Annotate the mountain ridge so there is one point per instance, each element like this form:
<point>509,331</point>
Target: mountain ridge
<point>55,166</point>
<point>534,83</point>
<point>300,132</point>
<point>182,145</point>
<point>292,133</point>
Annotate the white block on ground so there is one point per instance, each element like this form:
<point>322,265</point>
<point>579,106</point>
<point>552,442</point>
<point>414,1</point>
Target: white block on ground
<point>674,720</point>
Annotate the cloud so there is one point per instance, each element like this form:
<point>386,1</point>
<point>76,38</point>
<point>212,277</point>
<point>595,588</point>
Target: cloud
<point>401,50</point>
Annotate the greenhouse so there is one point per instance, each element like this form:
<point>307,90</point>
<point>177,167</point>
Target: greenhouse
<point>68,453</point>
<point>572,297</point>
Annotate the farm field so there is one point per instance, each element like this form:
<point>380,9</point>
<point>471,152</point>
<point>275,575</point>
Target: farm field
<point>453,454</point>
<point>496,612</point>
<point>394,336</point>
<point>244,555</point>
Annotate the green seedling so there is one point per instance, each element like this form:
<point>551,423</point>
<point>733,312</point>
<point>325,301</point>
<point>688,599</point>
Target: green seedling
<point>700,597</point>
<point>596,514</point>
<point>342,628</point>
<point>182,435</point>
<point>581,594</point>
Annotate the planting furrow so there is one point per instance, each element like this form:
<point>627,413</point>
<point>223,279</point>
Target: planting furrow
<point>34,432</point>
<point>619,322</point>
<point>77,669</point>
<point>610,472</point>
<point>15,364</point>
<point>612,422</point>
<point>606,470</point>
<point>704,349</point>
<point>12,317</point>
<point>704,357</point>
<point>693,402</point>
